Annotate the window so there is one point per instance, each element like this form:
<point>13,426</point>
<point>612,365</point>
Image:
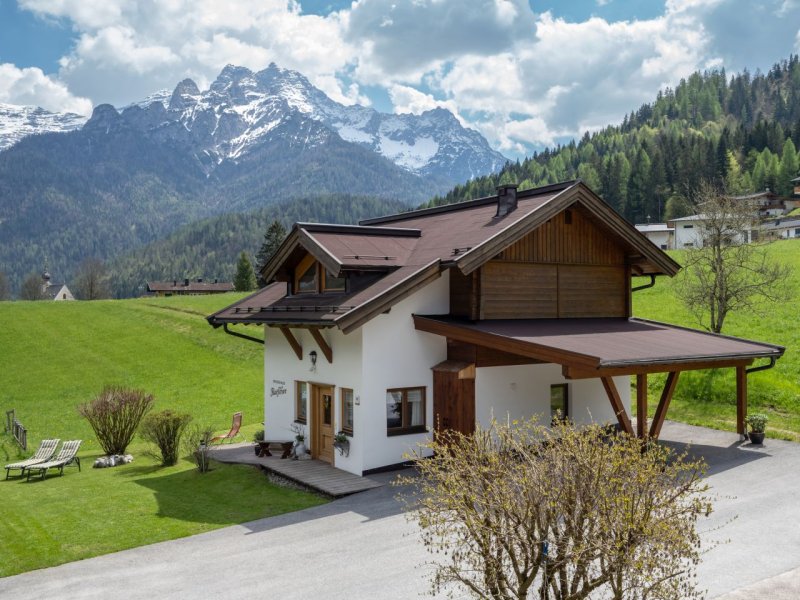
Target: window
<point>559,401</point>
<point>331,283</point>
<point>306,276</point>
<point>688,226</point>
<point>301,401</point>
<point>347,410</point>
<point>405,411</point>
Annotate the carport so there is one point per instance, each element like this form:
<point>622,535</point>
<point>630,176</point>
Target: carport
<point>600,348</point>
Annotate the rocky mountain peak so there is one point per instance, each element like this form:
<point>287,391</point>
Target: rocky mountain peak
<point>185,94</point>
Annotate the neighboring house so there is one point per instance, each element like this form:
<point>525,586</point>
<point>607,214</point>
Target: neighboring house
<point>768,204</point>
<point>509,306</point>
<point>185,287</point>
<point>658,233</point>
<point>57,292</point>
<point>785,228</point>
<point>688,232</point>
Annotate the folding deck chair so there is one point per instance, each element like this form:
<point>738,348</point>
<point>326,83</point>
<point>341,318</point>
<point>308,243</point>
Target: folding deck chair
<point>235,425</point>
<point>45,452</point>
<point>66,456</point>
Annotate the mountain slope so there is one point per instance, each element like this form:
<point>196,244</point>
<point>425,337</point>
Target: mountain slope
<point>742,132</point>
<point>18,122</point>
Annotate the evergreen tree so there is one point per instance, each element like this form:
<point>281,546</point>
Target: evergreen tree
<point>788,168</point>
<point>245,278</point>
<point>273,238</point>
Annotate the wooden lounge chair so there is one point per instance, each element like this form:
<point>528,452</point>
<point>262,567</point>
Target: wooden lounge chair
<point>66,456</point>
<point>45,452</point>
<point>237,423</point>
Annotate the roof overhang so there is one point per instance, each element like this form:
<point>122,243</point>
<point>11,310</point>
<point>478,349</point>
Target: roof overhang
<point>646,258</point>
<point>587,348</point>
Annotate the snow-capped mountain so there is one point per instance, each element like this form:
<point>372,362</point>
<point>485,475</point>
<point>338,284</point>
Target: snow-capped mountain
<point>243,110</point>
<point>17,122</point>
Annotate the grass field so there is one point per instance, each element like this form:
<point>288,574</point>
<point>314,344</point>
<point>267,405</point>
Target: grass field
<point>57,355</point>
<point>709,397</point>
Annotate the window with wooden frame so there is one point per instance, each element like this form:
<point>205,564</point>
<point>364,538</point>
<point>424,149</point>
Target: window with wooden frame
<point>301,402</point>
<point>305,276</point>
<point>346,397</point>
<point>405,410</point>
<point>559,401</point>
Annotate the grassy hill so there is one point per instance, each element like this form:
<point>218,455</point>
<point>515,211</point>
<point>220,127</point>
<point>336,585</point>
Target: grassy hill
<point>57,355</point>
<point>709,397</point>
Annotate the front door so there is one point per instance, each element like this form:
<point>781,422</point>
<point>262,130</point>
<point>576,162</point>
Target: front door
<point>322,424</point>
<point>453,400</point>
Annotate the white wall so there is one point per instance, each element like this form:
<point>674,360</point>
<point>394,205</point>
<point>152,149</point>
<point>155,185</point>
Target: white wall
<point>397,355</point>
<point>522,391</point>
<point>282,365</point>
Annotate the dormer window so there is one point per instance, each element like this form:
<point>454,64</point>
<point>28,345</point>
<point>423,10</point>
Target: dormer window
<point>305,281</point>
<point>331,283</point>
<point>312,278</point>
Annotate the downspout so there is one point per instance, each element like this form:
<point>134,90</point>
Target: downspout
<point>646,285</point>
<point>244,336</point>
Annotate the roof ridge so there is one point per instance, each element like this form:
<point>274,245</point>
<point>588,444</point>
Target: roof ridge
<point>455,206</point>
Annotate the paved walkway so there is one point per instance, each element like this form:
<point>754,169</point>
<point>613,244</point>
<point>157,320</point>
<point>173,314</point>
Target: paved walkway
<point>315,474</point>
<point>361,546</point>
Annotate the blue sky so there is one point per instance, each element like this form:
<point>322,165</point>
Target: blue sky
<point>525,73</point>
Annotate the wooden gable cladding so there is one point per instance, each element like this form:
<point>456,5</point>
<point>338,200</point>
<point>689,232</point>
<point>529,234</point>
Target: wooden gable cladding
<point>570,237</point>
<point>568,267</point>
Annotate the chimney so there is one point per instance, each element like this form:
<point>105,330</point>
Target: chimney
<point>506,199</point>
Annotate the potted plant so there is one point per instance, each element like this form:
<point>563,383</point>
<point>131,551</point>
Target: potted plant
<point>757,423</point>
<point>299,439</point>
<point>258,436</point>
<point>342,443</point>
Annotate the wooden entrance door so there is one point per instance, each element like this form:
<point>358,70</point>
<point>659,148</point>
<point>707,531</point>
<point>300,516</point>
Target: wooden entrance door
<point>322,423</point>
<point>454,397</point>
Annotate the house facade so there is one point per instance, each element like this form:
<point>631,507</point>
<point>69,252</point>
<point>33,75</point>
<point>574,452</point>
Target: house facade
<point>503,307</point>
<point>188,287</point>
<point>660,234</point>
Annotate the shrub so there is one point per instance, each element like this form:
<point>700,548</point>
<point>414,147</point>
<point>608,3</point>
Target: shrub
<point>757,422</point>
<point>164,429</point>
<point>114,416</point>
<point>197,442</point>
<point>258,436</point>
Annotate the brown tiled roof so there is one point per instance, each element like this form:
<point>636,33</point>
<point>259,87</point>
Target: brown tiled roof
<point>415,247</point>
<point>601,343</point>
<point>192,286</point>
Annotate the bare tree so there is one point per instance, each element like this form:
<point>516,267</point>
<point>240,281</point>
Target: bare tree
<point>32,288</point>
<point>5,288</point>
<point>114,414</point>
<point>92,281</point>
<point>724,271</point>
<point>520,511</point>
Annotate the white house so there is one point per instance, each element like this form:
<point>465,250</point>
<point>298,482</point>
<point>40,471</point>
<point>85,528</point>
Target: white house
<point>58,292</point>
<point>660,234</point>
<point>509,306</point>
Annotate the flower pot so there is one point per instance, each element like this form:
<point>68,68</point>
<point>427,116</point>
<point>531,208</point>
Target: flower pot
<point>257,448</point>
<point>756,437</point>
<point>299,448</point>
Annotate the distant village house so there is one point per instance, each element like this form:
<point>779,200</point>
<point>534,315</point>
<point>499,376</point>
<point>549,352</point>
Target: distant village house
<point>57,292</point>
<point>185,287</point>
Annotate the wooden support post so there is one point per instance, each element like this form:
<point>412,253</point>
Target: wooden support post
<point>323,345</point>
<point>741,399</point>
<point>616,404</point>
<point>663,404</point>
<point>641,405</point>
<point>298,349</point>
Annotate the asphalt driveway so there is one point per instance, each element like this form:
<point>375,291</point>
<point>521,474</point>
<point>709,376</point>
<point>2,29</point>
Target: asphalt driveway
<point>363,547</point>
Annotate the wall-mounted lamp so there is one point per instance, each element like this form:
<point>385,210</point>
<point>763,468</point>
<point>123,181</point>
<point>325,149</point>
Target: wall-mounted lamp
<point>313,356</point>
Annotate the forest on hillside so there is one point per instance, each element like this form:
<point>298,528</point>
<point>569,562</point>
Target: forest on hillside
<point>741,132</point>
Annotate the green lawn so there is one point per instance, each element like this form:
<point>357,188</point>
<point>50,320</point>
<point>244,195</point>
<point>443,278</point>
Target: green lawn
<point>709,397</point>
<point>56,355</point>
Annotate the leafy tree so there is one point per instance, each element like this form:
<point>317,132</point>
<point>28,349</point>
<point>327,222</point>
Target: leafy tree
<point>273,238</point>
<point>519,511</point>
<point>32,288</point>
<point>92,280</point>
<point>5,288</point>
<point>723,272</point>
<point>245,278</point>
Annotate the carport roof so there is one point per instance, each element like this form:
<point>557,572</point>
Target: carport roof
<point>606,346</point>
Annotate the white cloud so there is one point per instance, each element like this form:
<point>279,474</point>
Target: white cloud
<point>520,78</point>
<point>32,87</point>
